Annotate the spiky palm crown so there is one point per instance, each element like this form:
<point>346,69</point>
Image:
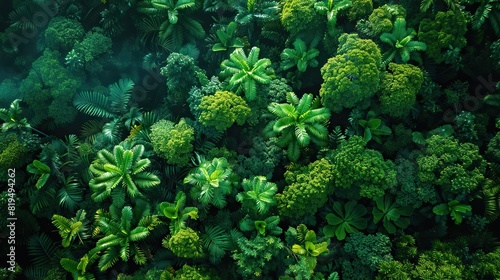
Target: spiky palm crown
<point>258,194</point>
<point>299,122</point>
<point>123,168</point>
<point>246,71</point>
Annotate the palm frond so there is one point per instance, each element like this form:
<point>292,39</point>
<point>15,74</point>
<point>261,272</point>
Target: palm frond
<point>93,103</point>
<point>42,251</point>
<point>217,241</point>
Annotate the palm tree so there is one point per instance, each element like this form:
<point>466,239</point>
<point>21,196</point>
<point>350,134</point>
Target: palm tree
<point>123,230</point>
<point>299,122</point>
<point>300,56</point>
<point>170,20</point>
<point>331,8</point>
<point>70,229</point>
<point>400,39</point>
<point>246,72</point>
<point>123,168</point>
<point>258,194</point>
<point>212,181</point>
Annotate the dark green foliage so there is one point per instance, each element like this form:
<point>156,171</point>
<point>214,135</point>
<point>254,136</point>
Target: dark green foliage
<point>62,33</point>
<point>299,122</point>
<point>43,252</point>
<point>465,127</point>
<point>368,251</point>
<point>12,153</point>
<point>345,219</point>
<point>332,8</point>
<point>455,209</point>
<point>178,82</point>
<point>371,174</point>
<point>352,76</point>
<point>447,29</point>
<point>258,256</point>
<point>263,157</point>
<point>49,88</point>
<point>308,189</point>
<point>391,214</point>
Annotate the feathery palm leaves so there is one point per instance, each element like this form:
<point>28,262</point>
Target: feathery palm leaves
<point>247,71</point>
<point>123,168</point>
<point>299,122</point>
<point>300,56</point>
<point>123,229</point>
<point>488,10</point>
<point>70,229</point>
<point>400,40</point>
<point>251,11</point>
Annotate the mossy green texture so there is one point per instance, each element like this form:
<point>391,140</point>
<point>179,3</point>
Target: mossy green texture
<point>223,109</point>
<point>174,142</point>
<point>307,190</point>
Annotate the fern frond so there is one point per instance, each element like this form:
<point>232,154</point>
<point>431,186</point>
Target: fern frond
<point>93,103</point>
<point>42,251</point>
<point>120,94</point>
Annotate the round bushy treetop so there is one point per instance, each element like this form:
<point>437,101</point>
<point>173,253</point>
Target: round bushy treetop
<point>194,272</point>
<point>93,45</point>
<point>381,20</point>
<point>355,166</point>
<point>307,190</point>
<point>49,88</point>
<point>447,29</point>
<point>360,9</point>
<point>457,168</point>
<point>223,109</point>
<point>399,88</point>
<point>299,15</point>
<point>181,73</point>
<point>370,250</point>
<point>352,76</point>
<point>13,154</point>
<point>186,243</point>
<point>173,142</point>
<point>62,33</point>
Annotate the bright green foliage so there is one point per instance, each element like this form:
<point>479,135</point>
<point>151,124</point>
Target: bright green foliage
<point>352,76</point>
<point>400,41</point>
<point>123,230</point>
<point>299,122</point>
<point>227,41</point>
<point>300,56</point>
<point>170,20</point>
<point>457,168</point>
<point>391,214</point>
<point>13,117</point>
<point>62,33</point>
<point>360,9</point>
<point>256,257</point>
<point>267,226</point>
<point>124,169</point>
<point>70,229</point>
<point>399,88</point>
<point>438,264</point>
<point>193,272</point>
<point>245,72</point>
<point>78,269</point>
<point>308,189</point>
<point>299,15</point>
<point>186,243</point>
<point>49,88</point>
<point>367,169</point>
<point>258,195</point>
<point>173,142</point>
<point>368,250</point>
<point>212,181</point>
<point>177,212</point>
<point>347,218</point>
<point>447,29</point>
<point>382,18</point>
<point>13,154</point>
<point>394,270</point>
<point>223,109</point>
<point>178,82</point>
<point>331,8</point>
<point>454,208</point>
<point>308,246</point>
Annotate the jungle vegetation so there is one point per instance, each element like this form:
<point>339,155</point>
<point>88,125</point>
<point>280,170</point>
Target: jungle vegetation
<point>251,139</point>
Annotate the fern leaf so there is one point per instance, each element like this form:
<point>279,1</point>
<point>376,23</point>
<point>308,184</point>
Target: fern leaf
<point>93,103</point>
<point>42,251</point>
